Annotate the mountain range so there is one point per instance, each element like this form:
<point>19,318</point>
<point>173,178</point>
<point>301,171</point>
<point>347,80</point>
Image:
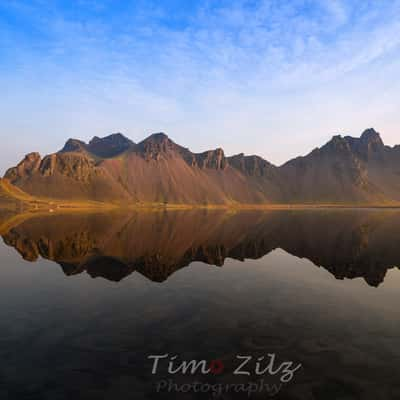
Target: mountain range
<point>114,169</point>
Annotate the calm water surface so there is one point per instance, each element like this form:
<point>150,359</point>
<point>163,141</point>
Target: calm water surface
<point>85,299</point>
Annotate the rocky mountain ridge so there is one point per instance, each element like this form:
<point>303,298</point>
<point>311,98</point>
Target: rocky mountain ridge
<point>157,170</point>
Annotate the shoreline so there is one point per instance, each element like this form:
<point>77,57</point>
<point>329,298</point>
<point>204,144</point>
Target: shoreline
<point>57,205</point>
<point>24,212</point>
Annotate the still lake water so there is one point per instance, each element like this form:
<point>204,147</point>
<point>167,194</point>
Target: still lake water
<point>86,299</point>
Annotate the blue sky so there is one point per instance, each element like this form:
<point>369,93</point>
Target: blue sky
<point>275,78</point>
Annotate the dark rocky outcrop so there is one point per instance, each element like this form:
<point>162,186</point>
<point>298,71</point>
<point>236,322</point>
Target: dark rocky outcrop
<point>252,165</point>
<point>26,168</point>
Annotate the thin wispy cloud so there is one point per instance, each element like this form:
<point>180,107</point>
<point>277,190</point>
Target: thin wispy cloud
<point>265,77</point>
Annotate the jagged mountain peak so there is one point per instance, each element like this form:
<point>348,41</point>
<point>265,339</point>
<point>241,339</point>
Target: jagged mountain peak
<point>338,143</point>
<point>251,164</point>
<point>109,146</point>
<point>370,134</point>
<point>218,150</point>
<point>34,156</point>
<point>73,145</point>
<point>158,143</point>
<point>25,168</point>
<point>158,138</point>
<point>113,138</point>
<point>368,145</point>
<point>370,141</point>
<point>106,147</point>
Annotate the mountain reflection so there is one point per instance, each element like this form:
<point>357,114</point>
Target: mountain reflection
<point>349,244</point>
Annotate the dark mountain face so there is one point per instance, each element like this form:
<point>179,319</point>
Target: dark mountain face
<point>157,170</point>
<point>106,147</point>
<point>109,146</point>
<point>74,145</point>
<point>346,169</point>
<point>252,165</point>
<point>27,167</point>
<point>370,145</point>
<point>156,144</point>
<point>160,145</point>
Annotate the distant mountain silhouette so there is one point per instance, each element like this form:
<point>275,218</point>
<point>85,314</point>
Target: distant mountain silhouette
<point>349,244</point>
<point>157,170</point>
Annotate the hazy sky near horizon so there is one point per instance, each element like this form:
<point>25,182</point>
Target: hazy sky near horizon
<point>274,78</point>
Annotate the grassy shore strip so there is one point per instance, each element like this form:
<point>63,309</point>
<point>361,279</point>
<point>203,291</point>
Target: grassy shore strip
<point>54,206</point>
<point>256,206</point>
